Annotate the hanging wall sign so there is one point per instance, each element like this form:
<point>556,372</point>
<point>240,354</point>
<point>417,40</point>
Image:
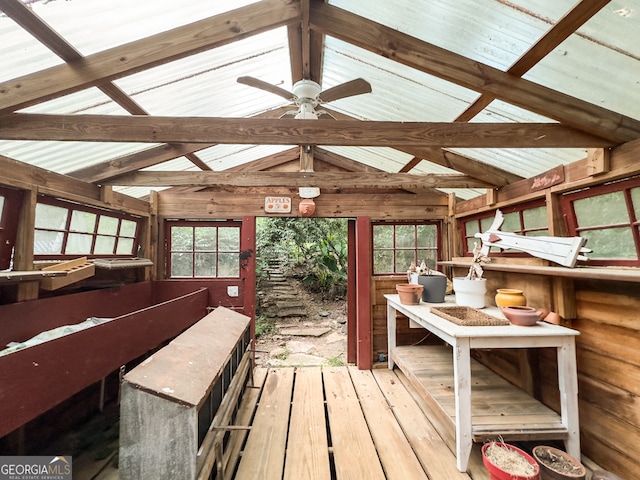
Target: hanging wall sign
<point>277,204</point>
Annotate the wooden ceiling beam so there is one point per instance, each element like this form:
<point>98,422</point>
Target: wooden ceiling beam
<point>460,163</point>
<point>107,128</point>
<point>327,180</point>
<point>557,34</point>
<point>146,53</point>
<point>471,74</point>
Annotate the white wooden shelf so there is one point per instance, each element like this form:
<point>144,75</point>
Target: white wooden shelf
<point>630,274</point>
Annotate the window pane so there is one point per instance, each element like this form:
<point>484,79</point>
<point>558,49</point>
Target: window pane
<point>228,265</point>
<point>611,243</point>
<point>47,242</point>
<point>182,238</point>
<point>485,223</point>
<point>538,233</point>
<point>427,235</point>
<point>49,216</point>
<point>125,246</point>
<point>383,236</point>
<point>405,236</point>
<point>78,243</point>
<point>205,238</point>
<point>205,265</point>
<point>511,222</point>
<point>383,261</point>
<point>404,259</point>
<point>128,228</point>
<point>606,209</point>
<point>429,257</point>
<point>535,218</point>
<point>83,221</point>
<point>635,197</point>
<point>107,225</point>
<point>104,245</point>
<point>1,206</point>
<point>181,265</point>
<point>229,239</point>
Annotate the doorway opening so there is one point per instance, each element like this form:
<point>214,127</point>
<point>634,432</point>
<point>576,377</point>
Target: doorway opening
<point>301,304</point>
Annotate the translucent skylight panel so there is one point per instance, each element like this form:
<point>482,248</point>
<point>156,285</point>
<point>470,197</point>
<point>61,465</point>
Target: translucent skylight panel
<point>95,25</point>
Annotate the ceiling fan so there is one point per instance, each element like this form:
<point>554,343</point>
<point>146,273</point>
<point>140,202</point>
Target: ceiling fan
<point>307,94</point>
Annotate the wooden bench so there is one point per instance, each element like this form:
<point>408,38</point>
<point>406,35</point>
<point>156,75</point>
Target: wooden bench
<point>177,406</point>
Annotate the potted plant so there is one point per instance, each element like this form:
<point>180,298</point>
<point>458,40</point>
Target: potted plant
<point>558,465</point>
<point>470,290</point>
<point>434,282</point>
<point>508,462</point>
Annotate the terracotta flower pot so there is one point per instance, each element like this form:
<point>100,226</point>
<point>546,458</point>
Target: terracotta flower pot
<point>409,293</point>
<point>558,465</point>
<point>523,316</point>
<point>501,472</point>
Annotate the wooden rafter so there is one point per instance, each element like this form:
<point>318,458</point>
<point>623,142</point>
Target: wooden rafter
<point>471,74</point>
<point>106,128</point>
<point>148,157</point>
<point>28,20</point>
<point>557,34</point>
<point>146,53</point>
<point>327,180</point>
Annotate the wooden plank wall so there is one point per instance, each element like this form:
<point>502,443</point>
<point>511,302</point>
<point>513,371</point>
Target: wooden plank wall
<point>608,354</point>
<point>404,334</point>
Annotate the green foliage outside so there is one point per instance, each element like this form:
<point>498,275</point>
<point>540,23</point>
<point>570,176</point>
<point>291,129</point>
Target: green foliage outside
<point>314,250</point>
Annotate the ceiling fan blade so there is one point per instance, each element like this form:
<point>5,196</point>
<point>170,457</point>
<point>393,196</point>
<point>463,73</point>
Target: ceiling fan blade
<point>347,89</point>
<point>261,84</point>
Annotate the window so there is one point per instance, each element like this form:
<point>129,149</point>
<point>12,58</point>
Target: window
<point>607,216</point>
<point>529,219</point>
<point>397,246</point>
<point>67,230</point>
<point>201,250</point>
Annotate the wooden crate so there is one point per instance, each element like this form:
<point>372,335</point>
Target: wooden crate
<point>76,270</point>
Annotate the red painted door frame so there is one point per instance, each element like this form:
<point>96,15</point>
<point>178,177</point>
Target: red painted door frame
<point>363,244</point>
<point>248,268</point>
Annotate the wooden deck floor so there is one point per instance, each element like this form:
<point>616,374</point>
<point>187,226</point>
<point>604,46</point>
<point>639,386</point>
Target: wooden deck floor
<point>344,423</point>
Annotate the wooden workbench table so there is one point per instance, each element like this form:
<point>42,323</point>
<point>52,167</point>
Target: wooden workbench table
<point>466,414</point>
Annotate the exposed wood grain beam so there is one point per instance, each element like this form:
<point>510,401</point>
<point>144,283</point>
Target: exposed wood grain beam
<point>268,162</point>
<point>557,34</point>
<point>50,38</point>
<point>471,74</point>
<point>328,180</point>
<point>410,164</point>
<point>148,157</point>
<point>460,163</point>
<point>147,53</point>
<point>106,128</point>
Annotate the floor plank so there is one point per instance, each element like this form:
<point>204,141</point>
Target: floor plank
<point>355,455</point>
<point>243,417</point>
<point>307,447</point>
<point>398,458</point>
<point>436,458</point>
<point>264,453</point>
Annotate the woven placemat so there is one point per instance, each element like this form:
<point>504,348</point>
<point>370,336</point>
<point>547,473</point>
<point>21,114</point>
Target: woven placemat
<point>467,316</point>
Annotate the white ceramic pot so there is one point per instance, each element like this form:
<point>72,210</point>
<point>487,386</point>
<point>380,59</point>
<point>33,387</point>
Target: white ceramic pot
<point>470,293</point>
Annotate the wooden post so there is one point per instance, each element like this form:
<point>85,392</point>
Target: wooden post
<point>352,294</point>
<point>23,254</point>
<point>562,289</point>
<point>363,285</point>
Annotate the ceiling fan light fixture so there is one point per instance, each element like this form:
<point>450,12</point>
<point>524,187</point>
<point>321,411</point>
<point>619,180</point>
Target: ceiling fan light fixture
<point>306,89</point>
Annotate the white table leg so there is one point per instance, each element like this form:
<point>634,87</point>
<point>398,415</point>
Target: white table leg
<point>391,334</point>
<point>568,385</point>
<point>462,384</point>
